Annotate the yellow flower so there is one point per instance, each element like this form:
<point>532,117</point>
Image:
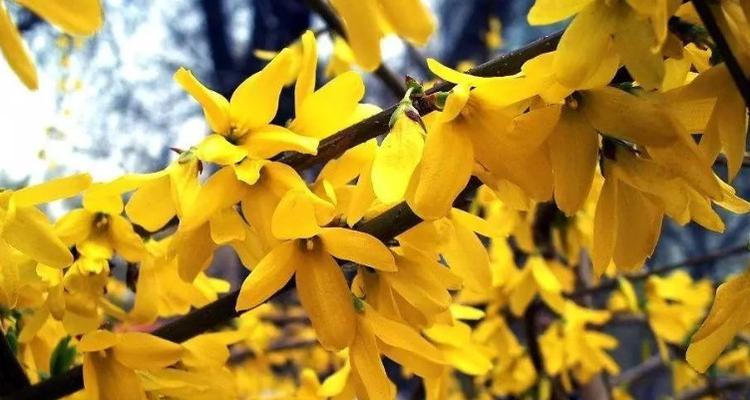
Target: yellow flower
<point>331,108</point>
<point>160,292</point>
<point>243,135</point>
<point>82,18</point>
<point>376,334</point>
<point>368,21</point>
<point>635,30</point>
<point>674,306</point>
<point>307,251</point>
<point>482,115</point>
<point>98,230</point>
<point>110,361</point>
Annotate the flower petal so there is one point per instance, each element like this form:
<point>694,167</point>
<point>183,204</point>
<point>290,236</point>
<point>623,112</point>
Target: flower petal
<point>365,360</point>
<point>82,17</point>
<point>29,232</point>
<point>215,106</point>
<point>51,190</point>
<point>325,296</point>
<point>270,140</point>
<point>15,51</point>
<point>327,110</point>
<point>255,101</point>
<point>396,159</point>
<point>271,274</point>
<point>216,149</point>
<point>362,30</point>
<point>139,350</point>
<point>151,206</point>
<point>305,85</point>
<point>574,148</point>
<point>446,168</point>
<point>361,248</point>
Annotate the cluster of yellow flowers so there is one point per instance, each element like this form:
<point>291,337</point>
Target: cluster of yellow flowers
<point>578,168</point>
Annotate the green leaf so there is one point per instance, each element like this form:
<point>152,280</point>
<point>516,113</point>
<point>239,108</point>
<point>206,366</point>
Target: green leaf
<point>62,357</point>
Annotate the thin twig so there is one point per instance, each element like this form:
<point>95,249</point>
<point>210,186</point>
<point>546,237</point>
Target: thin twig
<point>610,284</point>
<point>721,384</point>
<point>722,45</point>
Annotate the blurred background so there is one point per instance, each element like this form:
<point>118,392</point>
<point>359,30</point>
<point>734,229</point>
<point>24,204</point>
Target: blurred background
<point>108,105</point>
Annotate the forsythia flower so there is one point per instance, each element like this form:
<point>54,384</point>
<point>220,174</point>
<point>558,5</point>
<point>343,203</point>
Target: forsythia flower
<point>110,361</point>
<point>367,21</point>
<point>307,252</point>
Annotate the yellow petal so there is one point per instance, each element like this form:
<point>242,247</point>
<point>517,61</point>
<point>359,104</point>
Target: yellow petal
<point>543,276</point>
<point>475,223</point>
<point>194,250</point>
<point>727,317</point>
<point>29,232</point>
<point>327,110</point>
<point>325,296</point>
<point>305,85</point>
<point>216,149</point>
<point>364,356</point>
<point>222,190</point>
<point>451,75</point>
<point>151,206</point>
<point>545,12</point>
<point>248,170</point>
<point>255,101</point>
<point>363,33</point>
<point>611,112</point>
<point>52,190</point>
<point>105,378</point>
<point>215,106</point>
<point>97,340</point>
<point>410,19</point>
<point>605,226</point>
<point>639,224</point>
<point>83,17</point>
<point>125,241</point>
<point>270,140</point>
<point>294,217</point>
<point>15,51</point>
<point>227,225</point>
<point>402,336</point>
<point>584,44</point>
<point>468,259</point>
<point>446,168</point>
<point>139,350</point>
<point>271,274</point>
<point>396,159</point>
<point>361,248</point>
<point>574,148</point>
<point>634,40</point>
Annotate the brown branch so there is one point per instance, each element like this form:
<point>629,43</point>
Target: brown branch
<point>720,385</point>
<point>12,375</point>
<point>638,372</point>
<point>703,9</point>
<point>610,284</point>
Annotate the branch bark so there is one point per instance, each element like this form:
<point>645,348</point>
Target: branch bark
<point>610,284</point>
<point>703,9</point>
<point>12,375</point>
